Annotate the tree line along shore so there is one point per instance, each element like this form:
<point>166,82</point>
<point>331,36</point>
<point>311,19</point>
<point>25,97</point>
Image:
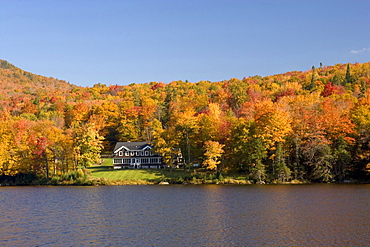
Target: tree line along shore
<point>308,126</point>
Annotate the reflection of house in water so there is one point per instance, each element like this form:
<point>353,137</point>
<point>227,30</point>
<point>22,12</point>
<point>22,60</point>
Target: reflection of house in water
<point>135,155</point>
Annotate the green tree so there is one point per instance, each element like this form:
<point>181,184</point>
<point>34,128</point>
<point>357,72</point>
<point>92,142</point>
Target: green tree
<point>281,172</point>
<point>312,83</point>
<point>341,158</point>
<point>320,158</point>
<point>348,79</point>
<point>249,150</point>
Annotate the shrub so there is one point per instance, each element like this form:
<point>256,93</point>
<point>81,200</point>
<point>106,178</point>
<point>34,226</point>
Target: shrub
<point>80,173</point>
<point>55,180</point>
<point>25,178</point>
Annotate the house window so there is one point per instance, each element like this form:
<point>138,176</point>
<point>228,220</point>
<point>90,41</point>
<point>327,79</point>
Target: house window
<point>117,161</point>
<point>154,160</point>
<point>127,153</point>
<point>146,153</point>
<point>145,160</point>
<point>132,153</point>
<point>120,153</point>
<point>126,161</point>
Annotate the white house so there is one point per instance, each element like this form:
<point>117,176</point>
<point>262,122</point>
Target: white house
<point>135,155</point>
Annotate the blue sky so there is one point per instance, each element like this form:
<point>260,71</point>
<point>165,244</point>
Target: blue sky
<point>134,41</point>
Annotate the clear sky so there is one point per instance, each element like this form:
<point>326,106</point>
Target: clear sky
<point>133,41</point>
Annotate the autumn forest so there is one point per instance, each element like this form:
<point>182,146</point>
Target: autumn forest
<point>309,125</point>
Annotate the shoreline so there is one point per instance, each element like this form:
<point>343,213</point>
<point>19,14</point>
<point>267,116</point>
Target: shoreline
<point>105,182</point>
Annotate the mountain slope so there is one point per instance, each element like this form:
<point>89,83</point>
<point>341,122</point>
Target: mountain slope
<point>15,81</point>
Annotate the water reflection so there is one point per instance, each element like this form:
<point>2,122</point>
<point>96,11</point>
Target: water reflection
<point>185,215</point>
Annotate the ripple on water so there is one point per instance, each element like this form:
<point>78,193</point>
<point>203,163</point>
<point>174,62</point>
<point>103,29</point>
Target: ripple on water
<point>185,215</point>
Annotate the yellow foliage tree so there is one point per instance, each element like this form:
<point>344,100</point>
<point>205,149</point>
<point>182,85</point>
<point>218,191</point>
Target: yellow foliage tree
<point>213,153</point>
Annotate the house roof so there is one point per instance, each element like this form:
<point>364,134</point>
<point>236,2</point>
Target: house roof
<point>131,146</point>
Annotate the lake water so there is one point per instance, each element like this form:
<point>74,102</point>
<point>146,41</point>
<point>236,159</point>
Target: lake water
<point>207,215</point>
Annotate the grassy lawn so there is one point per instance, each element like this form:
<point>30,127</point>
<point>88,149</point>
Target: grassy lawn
<point>107,162</point>
<point>124,174</point>
<point>106,171</point>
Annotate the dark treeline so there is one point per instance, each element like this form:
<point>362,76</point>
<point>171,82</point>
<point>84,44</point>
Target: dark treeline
<point>312,125</point>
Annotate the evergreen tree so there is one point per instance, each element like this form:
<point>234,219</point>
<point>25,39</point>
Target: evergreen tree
<point>311,85</point>
<point>313,77</point>
<point>363,88</point>
<point>336,80</point>
<point>348,79</point>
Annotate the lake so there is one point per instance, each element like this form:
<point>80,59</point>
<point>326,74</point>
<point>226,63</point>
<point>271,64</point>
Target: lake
<point>186,215</point>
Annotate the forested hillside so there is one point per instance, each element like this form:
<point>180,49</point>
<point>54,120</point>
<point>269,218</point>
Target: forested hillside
<point>312,125</point>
